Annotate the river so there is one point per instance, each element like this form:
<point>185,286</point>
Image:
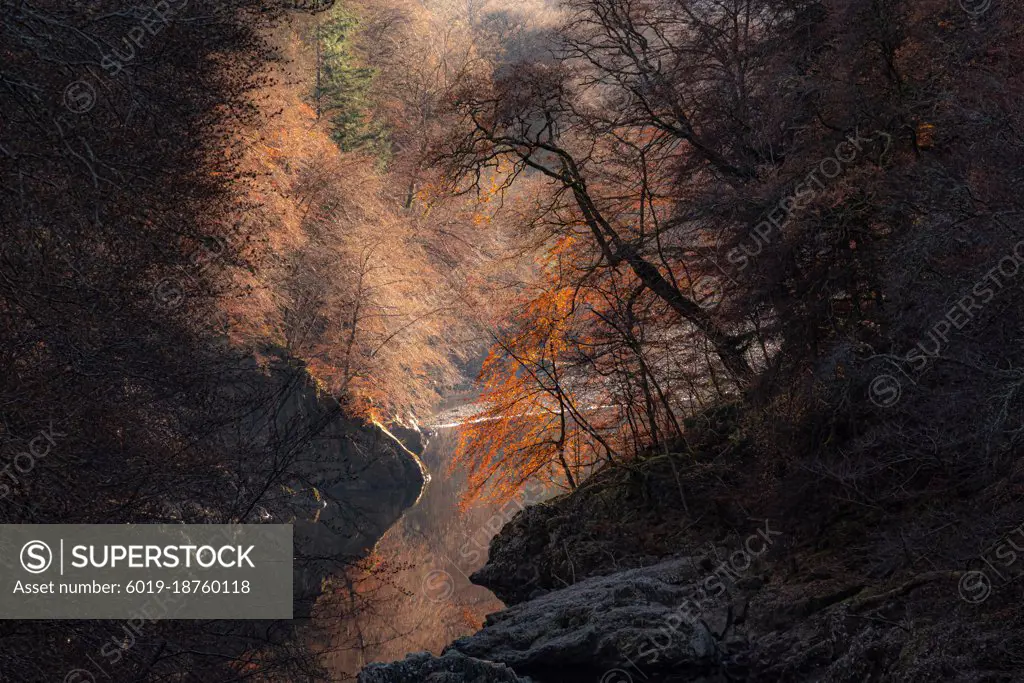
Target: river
<point>414,593</point>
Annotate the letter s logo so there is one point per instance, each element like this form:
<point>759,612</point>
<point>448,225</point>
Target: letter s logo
<point>36,557</point>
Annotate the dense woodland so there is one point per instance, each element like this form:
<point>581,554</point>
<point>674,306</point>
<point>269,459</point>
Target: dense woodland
<point>639,212</point>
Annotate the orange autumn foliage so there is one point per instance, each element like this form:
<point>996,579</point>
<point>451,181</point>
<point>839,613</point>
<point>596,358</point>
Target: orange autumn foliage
<point>532,423</point>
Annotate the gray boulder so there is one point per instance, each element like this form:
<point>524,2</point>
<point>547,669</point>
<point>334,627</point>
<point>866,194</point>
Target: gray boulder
<point>654,618</point>
<point>452,667</point>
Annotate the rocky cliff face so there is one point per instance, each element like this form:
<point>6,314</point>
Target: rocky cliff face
<point>628,581</point>
<point>340,481</point>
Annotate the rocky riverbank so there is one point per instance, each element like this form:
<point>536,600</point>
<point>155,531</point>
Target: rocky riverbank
<point>660,573</point>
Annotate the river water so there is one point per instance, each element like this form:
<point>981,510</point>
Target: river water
<point>416,594</point>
